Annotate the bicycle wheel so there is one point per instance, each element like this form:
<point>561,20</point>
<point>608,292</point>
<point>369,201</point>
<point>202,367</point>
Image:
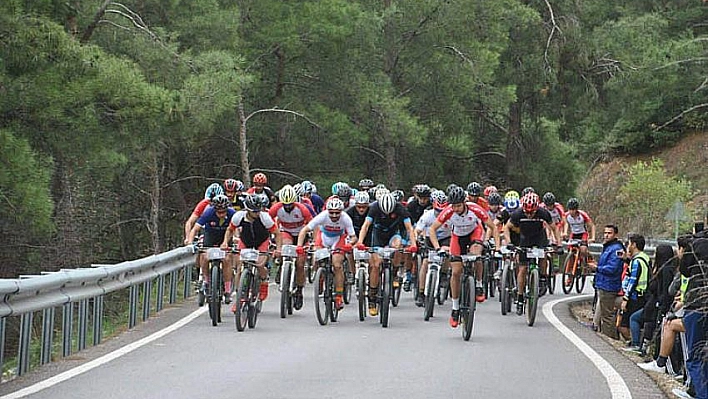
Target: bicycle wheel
<point>430,299</point>
<point>396,290</point>
<point>331,308</point>
<point>568,272</point>
<point>506,287</point>
<point>284,288</point>
<point>254,302</point>
<point>532,300</point>
<point>551,283</point>
<point>347,288</point>
<point>443,288</point>
<point>580,278</point>
<point>309,270</point>
<point>361,293</point>
<point>319,297</point>
<point>385,286</point>
<point>467,308</point>
<point>214,295</point>
<point>242,300</point>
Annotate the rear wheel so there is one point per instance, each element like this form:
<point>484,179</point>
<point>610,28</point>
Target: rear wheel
<point>568,273</point>
<point>532,301</point>
<point>285,289</point>
<point>551,283</point>
<point>347,288</point>
<point>361,293</point>
<point>467,308</point>
<point>580,278</point>
<point>430,299</point>
<point>443,288</point>
<point>215,294</point>
<point>254,303</point>
<point>329,290</point>
<point>242,301</point>
<point>385,286</point>
<point>396,290</point>
<point>320,297</point>
<point>506,287</point>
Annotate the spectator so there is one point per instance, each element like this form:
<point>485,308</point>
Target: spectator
<point>658,299</point>
<point>608,279</point>
<point>634,287</point>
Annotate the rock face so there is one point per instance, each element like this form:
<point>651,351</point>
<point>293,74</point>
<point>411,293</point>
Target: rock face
<point>688,159</point>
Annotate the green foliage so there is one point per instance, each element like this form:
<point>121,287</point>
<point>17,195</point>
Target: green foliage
<point>647,195</point>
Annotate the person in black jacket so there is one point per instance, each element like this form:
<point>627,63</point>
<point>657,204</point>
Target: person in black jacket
<point>658,300</point>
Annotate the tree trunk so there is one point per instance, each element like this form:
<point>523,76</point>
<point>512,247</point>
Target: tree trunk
<point>155,202</point>
<point>245,166</point>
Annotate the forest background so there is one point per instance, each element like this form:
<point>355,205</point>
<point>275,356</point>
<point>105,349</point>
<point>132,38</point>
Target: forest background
<point>114,116</point>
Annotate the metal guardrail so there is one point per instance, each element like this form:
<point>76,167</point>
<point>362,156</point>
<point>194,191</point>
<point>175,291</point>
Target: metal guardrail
<point>82,289</point>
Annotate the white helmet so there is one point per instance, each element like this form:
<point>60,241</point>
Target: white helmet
<point>335,204</point>
<point>362,197</point>
<point>387,203</point>
<point>381,192</point>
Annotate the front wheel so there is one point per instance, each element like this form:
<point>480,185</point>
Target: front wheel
<point>467,308</point>
<point>396,290</point>
<point>243,300</point>
<point>361,293</point>
<point>569,272</point>
<point>385,298</point>
<point>507,285</point>
<point>430,298</point>
<point>532,304</point>
<point>215,294</point>
<point>551,275</point>
<point>321,300</point>
<point>285,288</point>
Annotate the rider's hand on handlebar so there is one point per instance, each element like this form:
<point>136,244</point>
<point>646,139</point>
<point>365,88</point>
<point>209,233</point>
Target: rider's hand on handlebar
<point>361,247</point>
<point>300,250</point>
<point>347,248</point>
<point>412,249</point>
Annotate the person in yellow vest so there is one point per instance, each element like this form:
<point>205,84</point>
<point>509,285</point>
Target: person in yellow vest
<point>634,286</point>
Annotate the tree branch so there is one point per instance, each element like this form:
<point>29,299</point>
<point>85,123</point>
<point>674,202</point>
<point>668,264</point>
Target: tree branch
<point>280,172</point>
<point>460,54</point>
<point>491,121</point>
<point>686,61</point>
<point>554,27</point>
<point>96,19</point>
<point>679,116</point>
<point>287,111</point>
<point>371,150</point>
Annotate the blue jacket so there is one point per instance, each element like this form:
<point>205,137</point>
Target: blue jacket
<point>610,266</point>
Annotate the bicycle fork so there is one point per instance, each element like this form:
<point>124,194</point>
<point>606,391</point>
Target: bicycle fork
<point>428,289</point>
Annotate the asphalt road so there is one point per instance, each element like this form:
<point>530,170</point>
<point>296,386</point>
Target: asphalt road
<point>298,358</point>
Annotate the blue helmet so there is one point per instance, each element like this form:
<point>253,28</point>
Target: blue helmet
<point>213,190</point>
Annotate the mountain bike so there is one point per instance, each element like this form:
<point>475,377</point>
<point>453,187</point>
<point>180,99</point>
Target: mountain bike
<point>574,268</point>
<point>324,294</point>
<point>287,286</point>
<point>531,294</point>
<point>432,283</point>
<point>489,266</point>
<point>508,288</point>
<point>361,280</point>
<point>468,304</point>
<point>248,305</point>
<point>215,290</point>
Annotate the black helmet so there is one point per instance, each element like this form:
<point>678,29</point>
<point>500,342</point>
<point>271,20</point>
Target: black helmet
<point>252,203</point>
<point>527,190</point>
<point>474,189</point>
<point>398,195</point>
<point>366,183</point>
<point>456,195</point>
<point>573,203</point>
<point>422,190</point>
<point>495,198</point>
<point>549,199</point>
<point>220,202</point>
<point>344,192</point>
<point>450,187</point>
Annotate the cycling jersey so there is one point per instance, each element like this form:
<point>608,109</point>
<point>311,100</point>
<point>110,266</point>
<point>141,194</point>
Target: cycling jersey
<point>317,203</point>
<point>290,222</point>
<point>201,206</point>
<point>557,213</point>
<point>482,202</point>
<point>266,190</point>
<point>416,209</point>
<point>331,233</point>
<point>214,226</point>
<point>514,231</point>
<point>462,225</point>
<point>532,230</point>
<point>387,226</point>
<point>495,215</point>
<point>358,221</point>
<point>427,220</point>
<point>253,234</point>
<point>577,223</point>
<point>308,204</point>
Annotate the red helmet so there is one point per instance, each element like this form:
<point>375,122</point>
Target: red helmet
<point>489,189</point>
<point>230,184</point>
<point>529,202</point>
<point>260,178</point>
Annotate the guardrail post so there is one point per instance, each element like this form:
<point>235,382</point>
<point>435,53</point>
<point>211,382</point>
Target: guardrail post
<point>83,323</point>
<point>160,292</point>
<point>133,312</point>
<point>25,338</point>
<point>97,319</point>
<point>147,288</point>
<point>2,345</point>
<point>47,335</point>
<point>187,281</point>
<point>173,286</point>
<point>67,328</point>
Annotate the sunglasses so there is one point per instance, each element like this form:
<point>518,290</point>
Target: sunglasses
<point>335,213</point>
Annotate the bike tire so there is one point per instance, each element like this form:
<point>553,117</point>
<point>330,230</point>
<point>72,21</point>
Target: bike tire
<point>385,300</point>
<point>310,271</point>
<point>214,296</point>
<point>284,288</point>
<point>468,306</point>
<point>506,287</point>
<point>254,302</point>
<point>551,283</point>
<point>331,308</point>
<point>443,288</point>
<point>242,301</point>
<point>347,295</point>
<point>361,293</point>
<point>580,283</point>
<point>430,299</point>
<point>396,292</point>
<point>532,300</point>
<point>568,274</point>
<point>319,297</point>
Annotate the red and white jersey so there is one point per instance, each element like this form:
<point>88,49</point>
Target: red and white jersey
<point>577,224</point>
<point>464,224</point>
<point>427,219</point>
<point>201,206</point>
<point>557,213</point>
<point>291,222</point>
<point>264,217</point>
<point>330,228</point>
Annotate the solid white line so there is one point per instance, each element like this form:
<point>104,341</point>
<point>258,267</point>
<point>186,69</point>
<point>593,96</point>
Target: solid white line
<point>103,359</point>
<point>618,387</point>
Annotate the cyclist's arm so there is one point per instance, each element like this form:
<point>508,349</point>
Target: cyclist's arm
<point>492,229</point>
<point>556,232</point>
<point>188,225</point>
<point>227,237</point>
<point>432,234</point>
<point>507,231</point>
<point>591,238</point>
<point>411,231</point>
<point>193,233</point>
<point>364,230</point>
<point>302,236</point>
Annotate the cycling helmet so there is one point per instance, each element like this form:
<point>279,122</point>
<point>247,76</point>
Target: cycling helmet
<point>263,200</point>
<point>511,204</point>
<point>260,178</point>
<point>387,203</point>
<point>252,203</point>
<point>494,198</point>
<point>362,197</point>
<point>449,188</point>
<point>314,188</point>
<point>299,191</point>
<point>366,183</point>
<point>335,204</point>
<point>489,190</point>
<point>529,202</point>
<point>527,190</point>
<point>511,194</point>
<point>573,203</point>
<point>549,199</point>
<point>287,194</point>
<point>439,199</point>
<point>220,202</point>
<point>306,186</point>
<point>398,195</point>
<point>372,192</point>
<point>381,192</point>
<point>230,185</point>
<point>344,192</point>
<point>423,190</point>
<point>456,195</point>
<point>474,189</point>
<point>213,190</point>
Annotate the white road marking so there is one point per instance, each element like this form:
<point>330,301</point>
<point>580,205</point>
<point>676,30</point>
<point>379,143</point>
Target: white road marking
<point>618,388</point>
<point>104,359</point>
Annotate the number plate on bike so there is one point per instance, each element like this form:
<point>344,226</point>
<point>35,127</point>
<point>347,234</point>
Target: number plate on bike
<point>387,253</point>
<point>249,255</point>
<point>289,251</point>
<point>215,253</point>
<point>322,253</point>
<point>469,258</point>
<point>536,253</point>
<point>361,255</point>
<point>433,257</point>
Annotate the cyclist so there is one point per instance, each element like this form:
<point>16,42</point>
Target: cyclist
<point>420,202</point>
<point>387,219</point>
<point>556,210</point>
<point>345,194</point>
<point>291,217</point>
<point>333,229</point>
<point>422,229</point>
<point>212,191</point>
<point>532,222</point>
<point>474,195</point>
<point>467,220</point>
<point>234,190</point>
<point>358,214</point>
<point>259,187</point>
<point>310,192</point>
<point>365,184</point>
<point>252,228</point>
<point>215,221</point>
<point>578,222</point>
<point>489,190</point>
